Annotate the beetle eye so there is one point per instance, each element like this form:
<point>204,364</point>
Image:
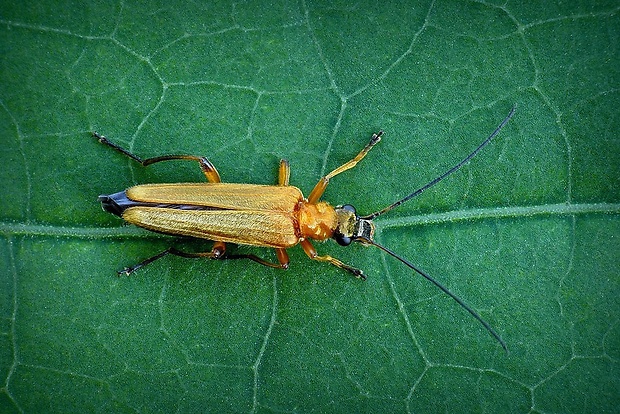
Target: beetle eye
<point>343,240</point>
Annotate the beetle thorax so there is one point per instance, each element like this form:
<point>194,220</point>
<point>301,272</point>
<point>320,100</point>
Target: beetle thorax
<point>316,221</point>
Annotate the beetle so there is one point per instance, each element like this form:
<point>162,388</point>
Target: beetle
<point>277,216</point>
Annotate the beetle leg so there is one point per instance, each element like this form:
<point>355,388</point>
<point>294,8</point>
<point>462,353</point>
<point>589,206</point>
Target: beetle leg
<point>319,188</point>
<point>312,253</point>
<point>215,253</point>
<point>207,168</point>
<point>283,259</point>
<point>218,250</point>
<point>284,173</point>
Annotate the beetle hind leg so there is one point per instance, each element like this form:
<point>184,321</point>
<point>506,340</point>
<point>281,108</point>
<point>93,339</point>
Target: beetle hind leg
<point>215,253</point>
<point>218,252</point>
<point>207,168</point>
<point>283,259</point>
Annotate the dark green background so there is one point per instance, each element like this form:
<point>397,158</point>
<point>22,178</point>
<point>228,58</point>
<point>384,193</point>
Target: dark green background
<point>528,233</point>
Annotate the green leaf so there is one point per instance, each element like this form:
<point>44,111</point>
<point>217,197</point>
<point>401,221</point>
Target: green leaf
<point>528,233</point>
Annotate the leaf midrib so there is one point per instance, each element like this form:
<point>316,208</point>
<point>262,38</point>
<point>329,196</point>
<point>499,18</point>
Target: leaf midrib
<point>11,228</point>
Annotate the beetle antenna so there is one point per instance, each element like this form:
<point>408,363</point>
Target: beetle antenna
<point>447,173</point>
<point>444,289</point>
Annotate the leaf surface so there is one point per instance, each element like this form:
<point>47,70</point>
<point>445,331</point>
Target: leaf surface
<point>528,233</point>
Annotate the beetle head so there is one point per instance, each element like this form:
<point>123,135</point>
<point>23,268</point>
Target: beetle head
<point>352,227</point>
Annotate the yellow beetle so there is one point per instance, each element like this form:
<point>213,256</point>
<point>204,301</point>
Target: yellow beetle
<point>277,216</point>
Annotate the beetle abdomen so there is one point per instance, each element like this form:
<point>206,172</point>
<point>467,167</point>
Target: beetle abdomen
<point>116,203</point>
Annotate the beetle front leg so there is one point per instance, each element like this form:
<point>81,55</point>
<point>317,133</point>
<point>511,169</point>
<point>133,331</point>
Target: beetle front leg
<point>312,253</point>
<point>319,188</point>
